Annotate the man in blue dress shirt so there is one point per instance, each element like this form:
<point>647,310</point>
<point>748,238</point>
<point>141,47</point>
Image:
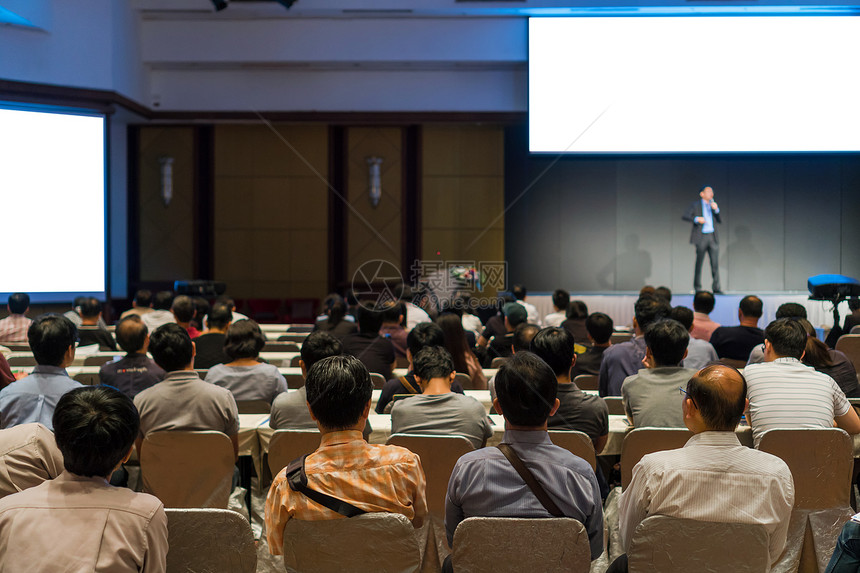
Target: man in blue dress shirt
<point>704,214</point>
<point>485,484</point>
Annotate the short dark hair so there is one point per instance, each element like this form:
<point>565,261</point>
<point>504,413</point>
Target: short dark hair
<point>554,345</point>
<point>719,411</point>
<point>319,345</point>
<point>244,340</point>
<point>648,309</point>
<point>143,297</point>
<point>667,340</point>
<point>561,299</point>
<point>854,304</point>
<point>791,310</point>
<point>787,336</point>
<point>183,308</point>
<point>704,302</point>
<point>751,306</point>
<point>334,307</point>
<point>91,307</point>
<point>162,300</point>
<point>220,316</point>
<point>226,299</point>
<point>577,309</point>
<point>95,427</point>
<point>338,388</point>
<point>432,362</point>
<point>201,308</point>
<point>526,388</point>
<point>171,347</point>
<point>424,335</point>
<point>369,317</point>
<point>50,336</point>
<point>18,302</point>
<point>600,327</point>
<point>392,311</point>
<point>683,315</point>
<point>131,333</point>
<point>664,293</point>
<point>523,335</point>
<point>519,292</point>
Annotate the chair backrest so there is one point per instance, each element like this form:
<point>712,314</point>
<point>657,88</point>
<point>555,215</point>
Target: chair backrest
<point>209,540</point>
<point>586,381</point>
<point>619,337</point>
<point>615,405</point>
<point>294,381</point>
<point>188,469</point>
<point>87,378</point>
<point>295,338</point>
<point>849,344</point>
<point>734,363</point>
<point>22,361</point>
<point>98,359</point>
<point>253,406</point>
<point>577,443</point>
<point>512,544</point>
<point>855,329</point>
<point>438,456</point>
<point>17,346</point>
<point>280,347</point>
<point>378,380</point>
<point>498,361</point>
<point>466,382</point>
<point>820,460</point>
<point>287,445</point>
<point>202,372</point>
<point>370,543</point>
<point>401,362</point>
<point>641,441</point>
<point>294,361</point>
<point>673,545</point>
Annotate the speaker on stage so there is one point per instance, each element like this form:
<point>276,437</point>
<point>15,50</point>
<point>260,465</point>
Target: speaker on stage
<point>833,287</point>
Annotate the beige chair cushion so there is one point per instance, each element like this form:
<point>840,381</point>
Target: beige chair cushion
<point>577,443</point>
<point>209,540</point>
<point>287,445</point>
<point>642,441</point>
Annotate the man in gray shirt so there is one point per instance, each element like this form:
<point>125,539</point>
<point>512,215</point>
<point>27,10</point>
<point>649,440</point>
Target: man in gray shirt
<point>651,397</point>
<point>700,353</point>
<point>438,410</point>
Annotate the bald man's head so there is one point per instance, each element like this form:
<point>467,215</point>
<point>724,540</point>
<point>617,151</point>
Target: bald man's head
<point>131,333</point>
<point>719,392</point>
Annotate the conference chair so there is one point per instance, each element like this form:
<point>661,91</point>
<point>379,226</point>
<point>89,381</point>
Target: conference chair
<point>577,443</point>
<point>821,462</point>
<point>18,346</point>
<point>586,381</point>
<point>87,378</point>
<point>514,544</point>
<point>438,456</point>
<point>306,328</point>
<point>212,540</point>
<point>619,337</point>
<point>294,381</point>
<point>401,362</point>
<point>615,405</point>
<point>378,380</point>
<point>253,406</point>
<point>466,382</point>
<point>855,329</point>
<point>664,544</point>
<point>287,445</point>
<point>849,344</point>
<point>99,359</point>
<point>641,441</point>
<point>188,469</point>
<point>338,545</point>
<point>280,347</point>
<point>26,360</point>
<point>295,338</point>
<point>294,361</point>
<point>498,361</point>
<point>733,363</point>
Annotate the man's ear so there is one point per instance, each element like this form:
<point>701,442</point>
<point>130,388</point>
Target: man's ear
<point>497,407</point>
<point>303,367</point>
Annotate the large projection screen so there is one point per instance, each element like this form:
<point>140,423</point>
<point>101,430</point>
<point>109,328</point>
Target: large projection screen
<point>52,180</point>
<point>694,84</point>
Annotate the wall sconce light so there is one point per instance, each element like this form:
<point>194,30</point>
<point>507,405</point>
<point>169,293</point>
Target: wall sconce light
<point>166,167</point>
<point>374,172</point>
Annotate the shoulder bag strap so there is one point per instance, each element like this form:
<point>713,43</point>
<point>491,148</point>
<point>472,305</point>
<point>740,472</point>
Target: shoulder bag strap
<point>530,480</point>
<point>298,480</point>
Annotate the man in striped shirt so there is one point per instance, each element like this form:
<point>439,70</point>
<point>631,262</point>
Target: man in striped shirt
<point>785,393</point>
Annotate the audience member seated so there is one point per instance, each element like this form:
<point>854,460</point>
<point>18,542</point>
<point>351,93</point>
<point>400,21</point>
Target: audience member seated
<point>210,344</point>
<point>75,314</point>
<point>160,315</point>
<point>852,319</point>
<point>846,556</point>
<point>28,456</point>
<point>700,353</point>
<point>374,351</point>
<point>500,346</point>
<point>134,372</point>
<point>415,315</point>
<point>422,336</point>
<point>370,477</point>
<point>33,398</point>
<point>625,359</point>
<point>182,401</point>
<point>485,484</point>
<point>392,318</point>
<point>829,361</point>
<point>495,324</point>
<point>471,323</point>
<point>577,314</point>
<point>78,521</point>
<point>785,393</point>
<point>786,310</point>
<point>336,321</point>
<point>465,361</point>
<point>227,300</point>
<point>245,376</point>
<point>521,341</point>
<point>599,327</point>
<point>6,375</point>
<point>14,327</point>
<point>703,306</point>
<point>90,333</point>
<point>713,477</point>
<point>520,293</point>
<point>183,312</point>
<point>560,302</point>
<point>736,342</point>
<point>201,311</point>
<point>290,409</point>
<point>577,410</point>
<point>141,304</point>
<point>664,293</point>
<point>437,410</point>
<point>650,397</point>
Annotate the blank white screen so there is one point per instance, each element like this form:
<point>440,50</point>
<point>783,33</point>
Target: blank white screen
<point>694,84</point>
<point>52,182</point>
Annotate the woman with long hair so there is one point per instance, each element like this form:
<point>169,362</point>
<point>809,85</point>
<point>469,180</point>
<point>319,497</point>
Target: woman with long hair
<point>465,360</point>
<point>335,321</point>
<point>828,361</point>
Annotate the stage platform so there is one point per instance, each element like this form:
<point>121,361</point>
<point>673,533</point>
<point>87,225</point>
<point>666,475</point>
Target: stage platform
<point>619,305</point>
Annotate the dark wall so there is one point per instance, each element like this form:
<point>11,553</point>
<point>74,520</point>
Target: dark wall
<point>597,224</point>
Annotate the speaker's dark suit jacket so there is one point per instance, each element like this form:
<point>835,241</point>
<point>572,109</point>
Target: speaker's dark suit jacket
<point>693,211</point>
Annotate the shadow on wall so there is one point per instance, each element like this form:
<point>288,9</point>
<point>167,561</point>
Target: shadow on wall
<point>744,260</point>
<point>630,269</point>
